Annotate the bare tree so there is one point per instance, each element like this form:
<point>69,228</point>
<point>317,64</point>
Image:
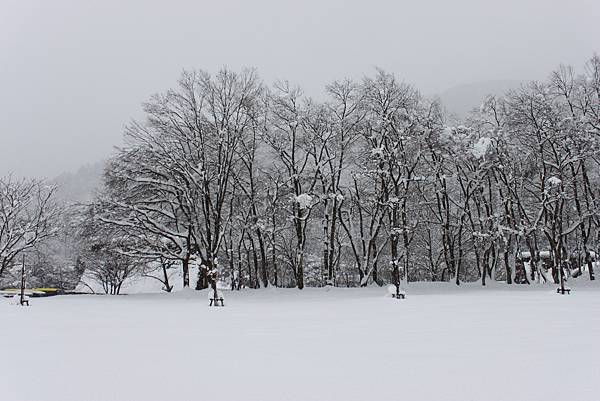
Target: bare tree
<point>27,214</point>
<point>289,137</point>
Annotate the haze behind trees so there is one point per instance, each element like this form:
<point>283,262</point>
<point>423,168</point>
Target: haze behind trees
<point>73,74</point>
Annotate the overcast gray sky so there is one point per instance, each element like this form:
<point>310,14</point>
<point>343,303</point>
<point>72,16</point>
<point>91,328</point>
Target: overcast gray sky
<point>72,73</point>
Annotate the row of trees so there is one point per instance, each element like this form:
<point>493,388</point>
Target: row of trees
<point>371,185</point>
<point>374,184</point>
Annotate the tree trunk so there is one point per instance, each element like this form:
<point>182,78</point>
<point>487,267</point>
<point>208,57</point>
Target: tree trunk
<point>232,268</point>
<point>326,265</point>
<point>590,264</point>
<point>255,263</point>
<point>485,265</point>
<point>263,259</point>
<point>300,269</point>
<point>168,287</point>
<point>186,271</point>
<point>507,266</point>
<point>202,282</point>
<point>331,241</point>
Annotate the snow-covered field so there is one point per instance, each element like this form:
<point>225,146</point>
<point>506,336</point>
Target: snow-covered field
<point>441,343</point>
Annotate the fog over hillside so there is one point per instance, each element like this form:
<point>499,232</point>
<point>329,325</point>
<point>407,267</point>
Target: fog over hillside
<point>459,100</point>
<point>79,186</point>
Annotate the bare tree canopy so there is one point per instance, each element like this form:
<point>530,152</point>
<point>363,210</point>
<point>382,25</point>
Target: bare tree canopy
<point>27,214</point>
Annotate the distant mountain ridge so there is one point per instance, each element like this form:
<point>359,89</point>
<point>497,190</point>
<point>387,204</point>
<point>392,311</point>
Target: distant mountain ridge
<point>461,99</point>
<point>81,185</point>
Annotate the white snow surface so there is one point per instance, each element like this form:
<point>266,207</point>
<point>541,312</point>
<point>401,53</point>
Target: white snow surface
<point>441,343</point>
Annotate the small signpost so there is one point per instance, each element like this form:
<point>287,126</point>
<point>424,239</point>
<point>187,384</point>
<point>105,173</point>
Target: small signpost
<point>562,289</point>
<point>396,290</point>
<point>216,297</point>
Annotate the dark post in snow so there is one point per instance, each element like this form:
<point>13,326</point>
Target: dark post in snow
<point>562,289</point>
<point>212,276</point>
<point>396,278</point>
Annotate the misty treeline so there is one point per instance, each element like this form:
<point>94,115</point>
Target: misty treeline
<point>373,184</point>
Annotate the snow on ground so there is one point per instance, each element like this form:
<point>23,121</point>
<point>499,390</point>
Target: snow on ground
<point>441,343</point>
